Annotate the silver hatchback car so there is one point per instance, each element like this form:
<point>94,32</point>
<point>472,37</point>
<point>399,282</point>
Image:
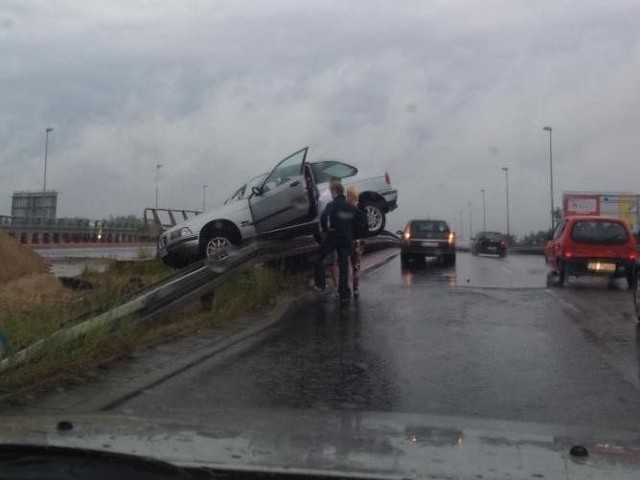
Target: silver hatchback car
<point>283,203</point>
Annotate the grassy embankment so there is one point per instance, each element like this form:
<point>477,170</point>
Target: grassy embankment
<point>64,362</point>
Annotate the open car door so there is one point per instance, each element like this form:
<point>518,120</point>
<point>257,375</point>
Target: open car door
<point>282,199</point>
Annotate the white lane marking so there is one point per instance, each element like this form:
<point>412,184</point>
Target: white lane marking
<point>506,270</point>
<point>565,303</point>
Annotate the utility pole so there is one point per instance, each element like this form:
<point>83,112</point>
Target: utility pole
<point>158,167</point>
<point>484,210</point>
<point>553,223</point>
<point>506,171</point>
<point>47,130</point>
<point>204,201</point>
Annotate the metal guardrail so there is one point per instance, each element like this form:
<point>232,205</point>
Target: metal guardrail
<point>195,281</point>
<point>62,223</point>
<point>167,217</point>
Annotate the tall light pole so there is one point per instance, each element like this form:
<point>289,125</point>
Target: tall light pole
<point>506,171</point>
<point>47,130</point>
<point>484,210</point>
<point>549,129</point>
<point>470,222</point>
<point>461,223</point>
<point>158,167</point>
<point>204,201</point>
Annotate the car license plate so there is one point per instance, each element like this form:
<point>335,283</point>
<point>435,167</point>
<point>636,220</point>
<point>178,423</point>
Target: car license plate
<point>429,244</point>
<point>491,249</point>
<point>601,267</point>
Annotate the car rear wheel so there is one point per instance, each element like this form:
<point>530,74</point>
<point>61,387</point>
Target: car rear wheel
<point>562,273</point>
<point>636,295</point>
<point>630,280</point>
<point>375,218</point>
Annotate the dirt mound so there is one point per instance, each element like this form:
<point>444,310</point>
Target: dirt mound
<point>17,260</point>
<point>32,290</point>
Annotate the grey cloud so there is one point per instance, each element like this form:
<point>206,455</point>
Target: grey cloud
<point>441,95</point>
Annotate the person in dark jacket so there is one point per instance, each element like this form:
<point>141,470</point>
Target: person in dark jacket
<point>336,222</point>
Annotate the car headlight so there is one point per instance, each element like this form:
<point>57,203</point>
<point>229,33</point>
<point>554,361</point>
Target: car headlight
<point>183,232</point>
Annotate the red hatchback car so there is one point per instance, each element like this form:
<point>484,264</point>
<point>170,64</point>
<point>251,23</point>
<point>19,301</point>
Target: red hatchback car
<point>590,245</point>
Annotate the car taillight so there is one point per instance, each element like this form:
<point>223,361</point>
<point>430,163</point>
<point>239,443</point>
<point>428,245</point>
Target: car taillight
<point>567,254</point>
<point>387,178</point>
<point>633,255</point>
<point>407,235</point>
<point>502,243</point>
<point>452,237</point>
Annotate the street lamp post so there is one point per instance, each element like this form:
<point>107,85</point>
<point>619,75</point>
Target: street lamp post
<point>549,129</point>
<point>470,222</point>
<point>461,223</point>
<point>204,201</point>
<point>484,209</point>
<point>47,130</point>
<point>506,171</point>
<point>158,167</point>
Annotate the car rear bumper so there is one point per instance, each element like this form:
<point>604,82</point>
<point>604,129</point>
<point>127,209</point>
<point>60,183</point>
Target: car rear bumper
<point>599,266</point>
<point>420,247</point>
<point>491,249</point>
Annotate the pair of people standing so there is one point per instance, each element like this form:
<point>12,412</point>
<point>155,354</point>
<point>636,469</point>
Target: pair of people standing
<point>342,223</point>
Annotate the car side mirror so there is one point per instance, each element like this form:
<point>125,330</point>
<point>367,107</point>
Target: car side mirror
<point>399,233</point>
<point>257,191</point>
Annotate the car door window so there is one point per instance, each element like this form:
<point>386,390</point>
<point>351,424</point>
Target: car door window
<point>287,169</point>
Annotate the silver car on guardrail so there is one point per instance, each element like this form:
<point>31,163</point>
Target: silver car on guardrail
<point>283,203</point>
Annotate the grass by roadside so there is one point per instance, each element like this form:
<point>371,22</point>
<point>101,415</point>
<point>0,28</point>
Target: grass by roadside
<point>67,362</point>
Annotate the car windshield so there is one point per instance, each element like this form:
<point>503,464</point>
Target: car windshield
<point>490,236</point>
<point>244,191</point>
<point>429,226</point>
<point>599,232</point>
<point>472,264</point>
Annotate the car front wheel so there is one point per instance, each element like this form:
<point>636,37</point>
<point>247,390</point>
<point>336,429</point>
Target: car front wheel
<point>449,260</point>
<point>375,218</point>
<point>216,245</point>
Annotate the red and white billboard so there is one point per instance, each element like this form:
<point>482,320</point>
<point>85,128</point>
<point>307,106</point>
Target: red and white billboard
<point>582,205</point>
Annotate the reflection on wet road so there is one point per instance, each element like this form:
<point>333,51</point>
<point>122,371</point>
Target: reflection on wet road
<point>482,339</point>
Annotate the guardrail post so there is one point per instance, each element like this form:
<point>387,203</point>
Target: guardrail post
<point>206,301</point>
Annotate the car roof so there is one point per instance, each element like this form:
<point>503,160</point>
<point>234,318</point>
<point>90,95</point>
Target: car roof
<point>591,218</point>
<point>434,220</point>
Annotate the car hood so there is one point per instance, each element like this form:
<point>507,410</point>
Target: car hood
<point>231,210</point>
<point>340,443</point>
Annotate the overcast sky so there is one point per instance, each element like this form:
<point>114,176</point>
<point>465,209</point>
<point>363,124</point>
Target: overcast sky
<point>441,94</point>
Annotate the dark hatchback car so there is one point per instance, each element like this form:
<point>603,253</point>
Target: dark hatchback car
<point>428,238</point>
<point>594,246</point>
<point>491,243</point>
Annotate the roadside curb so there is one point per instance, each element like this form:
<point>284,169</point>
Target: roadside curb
<point>118,387</point>
<point>283,309</point>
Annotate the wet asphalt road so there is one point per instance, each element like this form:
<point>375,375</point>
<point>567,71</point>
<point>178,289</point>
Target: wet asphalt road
<point>483,339</point>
